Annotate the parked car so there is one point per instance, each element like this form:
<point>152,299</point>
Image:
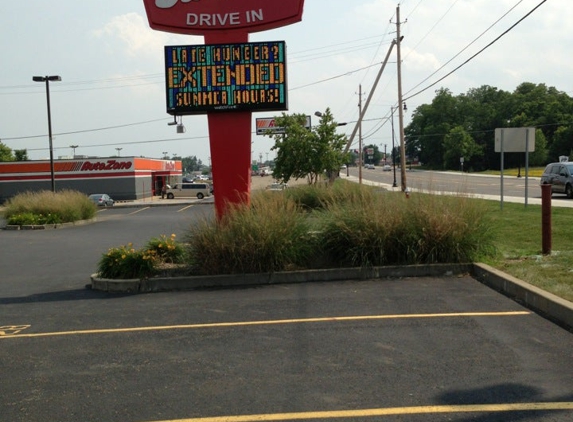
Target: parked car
<point>101,200</point>
<point>387,167</point>
<point>560,177</point>
<point>370,167</point>
<point>277,186</point>
<point>189,190</point>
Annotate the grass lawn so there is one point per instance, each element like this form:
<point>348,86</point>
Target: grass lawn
<point>517,233</point>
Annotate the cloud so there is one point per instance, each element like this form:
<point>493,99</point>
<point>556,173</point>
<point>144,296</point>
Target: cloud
<point>132,34</point>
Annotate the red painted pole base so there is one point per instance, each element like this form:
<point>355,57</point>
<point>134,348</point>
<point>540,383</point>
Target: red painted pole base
<point>230,141</point>
<point>546,219</point>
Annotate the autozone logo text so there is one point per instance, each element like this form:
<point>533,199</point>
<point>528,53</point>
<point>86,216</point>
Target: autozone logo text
<point>108,165</point>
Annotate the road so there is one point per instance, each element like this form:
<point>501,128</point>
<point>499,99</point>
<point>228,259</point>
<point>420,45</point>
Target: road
<point>484,186</point>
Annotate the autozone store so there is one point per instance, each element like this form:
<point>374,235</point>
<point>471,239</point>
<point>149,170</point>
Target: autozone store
<point>123,178</point>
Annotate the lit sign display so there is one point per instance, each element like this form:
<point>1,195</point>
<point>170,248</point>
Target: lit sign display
<point>226,77</point>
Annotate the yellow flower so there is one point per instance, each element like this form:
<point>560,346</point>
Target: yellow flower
<point>123,256</point>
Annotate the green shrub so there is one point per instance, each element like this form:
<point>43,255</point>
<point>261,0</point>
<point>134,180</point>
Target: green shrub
<point>354,226</point>
<point>125,262</point>
<point>166,249</point>
<point>28,218</point>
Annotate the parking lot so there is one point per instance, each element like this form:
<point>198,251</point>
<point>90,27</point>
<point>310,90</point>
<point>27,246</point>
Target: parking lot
<point>415,349</point>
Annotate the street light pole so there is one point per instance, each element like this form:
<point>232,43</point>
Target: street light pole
<point>118,151</point>
<point>73,147</point>
<point>47,80</point>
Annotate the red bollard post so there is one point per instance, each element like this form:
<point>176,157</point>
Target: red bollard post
<point>546,219</point>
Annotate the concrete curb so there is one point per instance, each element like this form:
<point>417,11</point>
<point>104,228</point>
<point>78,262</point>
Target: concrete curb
<point>162,284</point>
<point>544,303</point>
<point>547,305</point>
<point>48,226</point>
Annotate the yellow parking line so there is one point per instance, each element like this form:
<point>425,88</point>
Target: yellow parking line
<point>368,413</point>
<point>270,322</point>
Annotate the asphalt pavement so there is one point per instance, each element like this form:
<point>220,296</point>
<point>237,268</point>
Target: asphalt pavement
<point>389,344</point>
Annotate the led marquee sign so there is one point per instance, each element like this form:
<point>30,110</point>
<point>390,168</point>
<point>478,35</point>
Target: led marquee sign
<point>226,77</point>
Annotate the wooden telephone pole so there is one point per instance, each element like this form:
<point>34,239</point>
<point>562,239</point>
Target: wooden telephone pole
<point>400,108</point>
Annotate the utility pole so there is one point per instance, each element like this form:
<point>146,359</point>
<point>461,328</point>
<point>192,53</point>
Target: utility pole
<point>369,97</point>
<point>400,110</point>
<point>360,134</point>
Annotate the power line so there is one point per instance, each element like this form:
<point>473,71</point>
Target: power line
<point>86,130</point>
<point>476,54</point>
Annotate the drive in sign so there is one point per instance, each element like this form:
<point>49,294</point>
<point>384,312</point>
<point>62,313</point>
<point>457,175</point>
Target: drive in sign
<point>227,22</point>
<point>199,17</point>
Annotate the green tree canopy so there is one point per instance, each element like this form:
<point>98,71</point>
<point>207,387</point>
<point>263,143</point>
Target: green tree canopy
<point>21,155</point>
<point>457,144</point>
<point>5,153</point>
<point>191,164</point>
<point>433,127</point>
<point>307,153</point>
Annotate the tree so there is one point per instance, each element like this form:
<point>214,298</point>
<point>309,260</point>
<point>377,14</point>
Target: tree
<point>191,164</point>
<point>21,155</point>
<point>433,128</point>
<point>307,153</point>
<point>457,144</point>
<point>377,156</point>
<point>562,143</point>
<point>5,153</point>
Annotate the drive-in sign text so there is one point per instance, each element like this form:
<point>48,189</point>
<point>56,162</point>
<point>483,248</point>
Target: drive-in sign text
<point>202,16</point>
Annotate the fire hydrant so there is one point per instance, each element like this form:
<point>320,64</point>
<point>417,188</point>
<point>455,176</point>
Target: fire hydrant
<point>407,193</point>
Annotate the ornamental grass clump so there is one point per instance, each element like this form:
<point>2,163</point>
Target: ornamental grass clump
<point>360,232</point>
<point>389,229</point>
<point>450,229</point>
<point>47,207</point>
<point>270,234</point>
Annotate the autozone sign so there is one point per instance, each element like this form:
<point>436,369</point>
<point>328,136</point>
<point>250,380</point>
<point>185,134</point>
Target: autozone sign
<point>198,17</point>
<point>106,165</point>
<point>268,126</point>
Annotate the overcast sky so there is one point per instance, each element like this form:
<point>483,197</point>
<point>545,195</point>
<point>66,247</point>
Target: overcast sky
<point>112,93</point>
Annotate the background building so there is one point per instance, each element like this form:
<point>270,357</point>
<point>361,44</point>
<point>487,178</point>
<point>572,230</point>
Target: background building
<point>123,178</point>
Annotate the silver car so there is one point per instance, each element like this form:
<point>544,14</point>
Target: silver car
<point>102,200</point>
<point>560,177</point>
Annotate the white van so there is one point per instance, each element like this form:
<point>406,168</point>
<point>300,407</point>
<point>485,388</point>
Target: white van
<point>189,190</point>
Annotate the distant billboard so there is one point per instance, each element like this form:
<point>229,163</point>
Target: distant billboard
<point>226,77</point>
<point>515,139</point>
<point>267,125</point>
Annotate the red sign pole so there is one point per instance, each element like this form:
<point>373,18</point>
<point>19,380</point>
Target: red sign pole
<point>230,143</point>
